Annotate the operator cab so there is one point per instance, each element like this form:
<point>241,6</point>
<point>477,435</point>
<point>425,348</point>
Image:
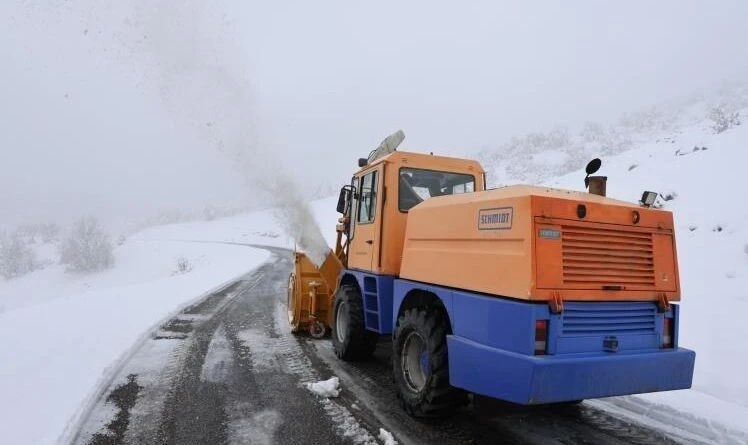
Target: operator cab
<point>381,193</point>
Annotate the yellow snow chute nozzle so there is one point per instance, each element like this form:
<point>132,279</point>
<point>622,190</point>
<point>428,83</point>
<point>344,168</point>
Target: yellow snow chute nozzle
<point>311,291</point>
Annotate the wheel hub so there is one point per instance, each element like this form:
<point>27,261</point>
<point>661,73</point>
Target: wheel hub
<point>415,361</point>
<point>341,322</point>
<point>317,329</point>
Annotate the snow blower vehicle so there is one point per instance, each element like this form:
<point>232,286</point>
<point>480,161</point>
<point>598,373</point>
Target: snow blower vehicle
<point>528,294</point>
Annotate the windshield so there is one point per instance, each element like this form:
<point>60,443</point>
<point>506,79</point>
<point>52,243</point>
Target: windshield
<point>418,184</point>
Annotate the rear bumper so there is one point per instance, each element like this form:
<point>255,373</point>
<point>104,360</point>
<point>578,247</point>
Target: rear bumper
<point>547,379</point>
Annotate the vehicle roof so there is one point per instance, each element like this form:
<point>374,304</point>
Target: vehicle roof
<point>518,191</point>
<point>426,161</point>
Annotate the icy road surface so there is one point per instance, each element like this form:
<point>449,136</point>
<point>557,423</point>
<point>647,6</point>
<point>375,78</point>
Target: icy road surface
<point>228,371</point>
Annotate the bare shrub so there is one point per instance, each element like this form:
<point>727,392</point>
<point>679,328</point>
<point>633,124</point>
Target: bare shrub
<point>28,232</point>
<point>50,232</point>
<point>16,255</point>
<point>723,118</point>
<point>183,266</point>
<point>87,247</point>
<point>45,232</point>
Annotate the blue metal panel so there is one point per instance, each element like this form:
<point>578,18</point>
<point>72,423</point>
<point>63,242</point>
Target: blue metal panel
<point>376,291</point>
<point>590,318</point>
<point>529,379</point>
<point>497,322</point>
<point>675,314</point>
<point>404,287</point>
<point>492,346</point>
<point>583,326</point>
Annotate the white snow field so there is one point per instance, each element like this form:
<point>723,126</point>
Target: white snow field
<point>60,333</point>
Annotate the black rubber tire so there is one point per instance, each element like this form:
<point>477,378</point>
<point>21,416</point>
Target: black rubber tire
<point>437,398</point>
<point>358,343</point>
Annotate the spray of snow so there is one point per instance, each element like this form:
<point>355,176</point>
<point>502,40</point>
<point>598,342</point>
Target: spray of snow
<point>325,388</point>
<point>187,54</point>
<point>386,437</point>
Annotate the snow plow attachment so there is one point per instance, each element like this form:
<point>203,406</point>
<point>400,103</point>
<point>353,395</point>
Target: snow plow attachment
<point>311,291</point>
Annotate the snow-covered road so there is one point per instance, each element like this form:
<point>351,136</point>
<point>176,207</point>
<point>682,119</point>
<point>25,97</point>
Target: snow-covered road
<point>221,371</point>
<point>227,370</point>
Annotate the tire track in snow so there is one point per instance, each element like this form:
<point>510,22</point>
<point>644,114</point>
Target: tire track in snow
<point>299,364</point>
<point>155,359</point>
<point>276,363</point>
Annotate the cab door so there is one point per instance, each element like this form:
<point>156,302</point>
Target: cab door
<point>366,220</point>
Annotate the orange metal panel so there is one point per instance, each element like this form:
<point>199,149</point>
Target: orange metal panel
<point>313,290</point>
<point>473,242</point>
<point>364,247</point>
<point>666,273</point>
<point>386,250</point>
<point>533,243</point>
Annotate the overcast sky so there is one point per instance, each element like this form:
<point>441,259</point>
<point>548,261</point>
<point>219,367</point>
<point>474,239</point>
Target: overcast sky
<point>117,110</point>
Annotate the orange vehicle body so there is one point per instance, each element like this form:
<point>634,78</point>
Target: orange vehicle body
<point>617,251</point>
<point>492,242</point>
<point>527,294</point>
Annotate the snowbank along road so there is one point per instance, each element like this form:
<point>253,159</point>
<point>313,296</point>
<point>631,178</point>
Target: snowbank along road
<point>227,370</point>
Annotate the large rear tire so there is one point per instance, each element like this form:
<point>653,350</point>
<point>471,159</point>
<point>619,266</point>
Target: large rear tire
<point>420,364</point>
<point>350,339</point>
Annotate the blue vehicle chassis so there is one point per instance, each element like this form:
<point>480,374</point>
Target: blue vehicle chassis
<point>492,343</point>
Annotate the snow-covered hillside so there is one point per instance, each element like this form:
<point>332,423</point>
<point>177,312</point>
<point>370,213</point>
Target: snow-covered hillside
<point>540,157</point>
<point>61,333</point>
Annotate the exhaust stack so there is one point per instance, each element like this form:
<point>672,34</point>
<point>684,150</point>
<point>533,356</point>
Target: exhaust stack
<point>596,184</point>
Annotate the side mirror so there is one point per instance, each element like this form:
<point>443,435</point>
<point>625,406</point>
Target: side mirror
<point>343,199</point>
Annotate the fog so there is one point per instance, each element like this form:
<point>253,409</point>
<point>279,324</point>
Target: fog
<point>127,109</point>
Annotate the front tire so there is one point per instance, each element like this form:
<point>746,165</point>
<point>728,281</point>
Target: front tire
<point>350,338</point>
<point>420,364</point>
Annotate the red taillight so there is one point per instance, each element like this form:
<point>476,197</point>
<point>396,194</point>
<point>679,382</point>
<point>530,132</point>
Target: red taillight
<point>541,337</point>
<point>667,333</point>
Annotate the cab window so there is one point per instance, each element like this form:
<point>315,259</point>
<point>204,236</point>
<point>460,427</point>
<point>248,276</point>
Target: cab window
<point>368,200</point>
<point>416,185</point>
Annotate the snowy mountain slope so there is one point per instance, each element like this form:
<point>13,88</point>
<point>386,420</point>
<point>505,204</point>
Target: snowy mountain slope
<point>539,157</point>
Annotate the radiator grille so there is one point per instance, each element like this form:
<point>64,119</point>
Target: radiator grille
<point>595,256</point>
<point>609,318</point>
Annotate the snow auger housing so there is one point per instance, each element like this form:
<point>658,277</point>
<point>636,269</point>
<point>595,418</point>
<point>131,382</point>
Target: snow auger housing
<point>311,290</point>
